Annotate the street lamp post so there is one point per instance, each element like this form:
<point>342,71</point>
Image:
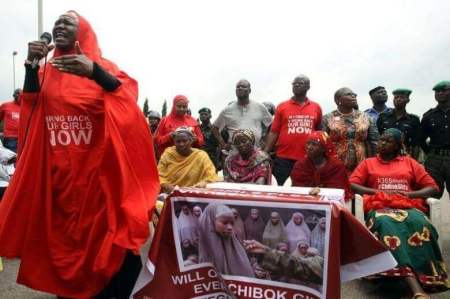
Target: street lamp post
<point>14,69</point>
<point>40,18</point>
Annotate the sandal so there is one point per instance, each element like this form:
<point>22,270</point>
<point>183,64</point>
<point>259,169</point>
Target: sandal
<point>420,296</point>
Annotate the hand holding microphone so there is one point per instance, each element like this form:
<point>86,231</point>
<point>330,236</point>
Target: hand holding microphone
<point>39,49</point>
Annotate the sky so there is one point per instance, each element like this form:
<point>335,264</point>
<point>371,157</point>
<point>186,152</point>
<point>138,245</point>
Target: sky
<point>201,48</point>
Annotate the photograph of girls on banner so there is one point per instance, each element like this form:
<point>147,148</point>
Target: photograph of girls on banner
<point>274,242</point>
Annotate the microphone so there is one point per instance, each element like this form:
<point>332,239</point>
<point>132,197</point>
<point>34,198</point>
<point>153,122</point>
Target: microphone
<point>47,39</point>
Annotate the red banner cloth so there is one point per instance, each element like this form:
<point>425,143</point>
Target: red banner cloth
<point>350,251</point>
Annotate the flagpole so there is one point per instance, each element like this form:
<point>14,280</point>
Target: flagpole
<point>40,18</point>
<point>14,69</point>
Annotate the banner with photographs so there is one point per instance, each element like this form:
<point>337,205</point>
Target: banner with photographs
<point>231,244</point>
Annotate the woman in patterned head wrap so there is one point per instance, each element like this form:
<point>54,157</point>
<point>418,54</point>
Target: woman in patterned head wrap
<point>184,166</point>
<point>249,164</point>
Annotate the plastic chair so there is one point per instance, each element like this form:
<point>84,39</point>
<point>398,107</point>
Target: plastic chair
<point>433,203</point>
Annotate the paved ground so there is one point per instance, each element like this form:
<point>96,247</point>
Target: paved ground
<point>353,290</point>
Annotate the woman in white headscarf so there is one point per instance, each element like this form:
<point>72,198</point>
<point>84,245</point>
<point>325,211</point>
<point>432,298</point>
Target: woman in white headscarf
<point>318,236</point>
<point>187,226</point>
<point>301,250</point>
<point>218,243</point>
<point>274,231</point>
<point>297,230</point>
<point>196,214</point>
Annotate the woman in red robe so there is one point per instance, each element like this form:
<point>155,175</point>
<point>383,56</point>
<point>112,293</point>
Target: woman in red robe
<point>86,178</point>
<point>320,167</point>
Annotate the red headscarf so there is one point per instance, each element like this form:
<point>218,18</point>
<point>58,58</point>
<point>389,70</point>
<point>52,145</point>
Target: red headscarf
<point>180,120</point>
<point>170,123</point>
<point>332,175</point>
<point>323,138</point>
<point>85,181</point>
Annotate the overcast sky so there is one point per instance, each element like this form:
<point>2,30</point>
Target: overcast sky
<point>201,48</point>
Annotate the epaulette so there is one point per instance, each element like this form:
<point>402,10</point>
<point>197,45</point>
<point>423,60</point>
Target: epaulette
<point>429,112</point>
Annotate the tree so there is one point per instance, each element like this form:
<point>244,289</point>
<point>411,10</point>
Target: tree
<point>164,109</point>
<point>145,109</point>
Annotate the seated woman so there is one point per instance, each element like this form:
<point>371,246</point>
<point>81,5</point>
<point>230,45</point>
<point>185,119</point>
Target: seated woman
<point>320,167</point>
<point>248,164</point>
<point>178,117</point>
<point>184,166</point>
<point>410,236</point>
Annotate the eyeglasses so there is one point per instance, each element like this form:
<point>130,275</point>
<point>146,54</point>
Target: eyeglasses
<point>350,94</point>
<point>300,83</point>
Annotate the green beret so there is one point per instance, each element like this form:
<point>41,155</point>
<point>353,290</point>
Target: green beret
<point>442,86</point>
<point>402,91</point>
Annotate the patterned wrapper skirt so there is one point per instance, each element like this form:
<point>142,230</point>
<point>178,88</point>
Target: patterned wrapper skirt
<point>412,240</point>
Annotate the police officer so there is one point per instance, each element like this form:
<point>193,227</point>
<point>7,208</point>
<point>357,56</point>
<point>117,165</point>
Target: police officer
<point>211,145</point>
<point>436,126</point>
<point>398,118</point>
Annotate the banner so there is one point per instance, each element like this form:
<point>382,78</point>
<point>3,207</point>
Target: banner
<point>241,244</point>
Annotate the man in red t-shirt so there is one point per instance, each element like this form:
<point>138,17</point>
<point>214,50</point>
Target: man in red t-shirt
<point>294,120</point>
<point>9,115</point>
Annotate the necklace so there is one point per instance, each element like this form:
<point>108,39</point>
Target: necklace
<point>344,114</point>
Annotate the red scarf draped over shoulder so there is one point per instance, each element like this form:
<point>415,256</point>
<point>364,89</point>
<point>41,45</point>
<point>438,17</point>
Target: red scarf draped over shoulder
<point>171,122</point>
<point>85,181</point>
<point>331,175</point>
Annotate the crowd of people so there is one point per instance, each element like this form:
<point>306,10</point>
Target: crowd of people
<point>87,164</point>
<point>377,153</point>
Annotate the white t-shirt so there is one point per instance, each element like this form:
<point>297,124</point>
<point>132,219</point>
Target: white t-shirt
<point>251,116</point>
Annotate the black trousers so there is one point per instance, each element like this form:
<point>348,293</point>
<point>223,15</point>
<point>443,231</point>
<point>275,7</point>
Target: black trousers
<point>282,169</point>
<point>122,283</point>
<point>439,168</point>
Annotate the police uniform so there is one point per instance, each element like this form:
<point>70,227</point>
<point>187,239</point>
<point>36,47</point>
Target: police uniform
<point>211,146</point>
<point>409,124</point>
<point>435,125</point>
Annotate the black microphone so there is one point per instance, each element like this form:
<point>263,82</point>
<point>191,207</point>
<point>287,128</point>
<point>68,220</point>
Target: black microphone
<point>47,39</point>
